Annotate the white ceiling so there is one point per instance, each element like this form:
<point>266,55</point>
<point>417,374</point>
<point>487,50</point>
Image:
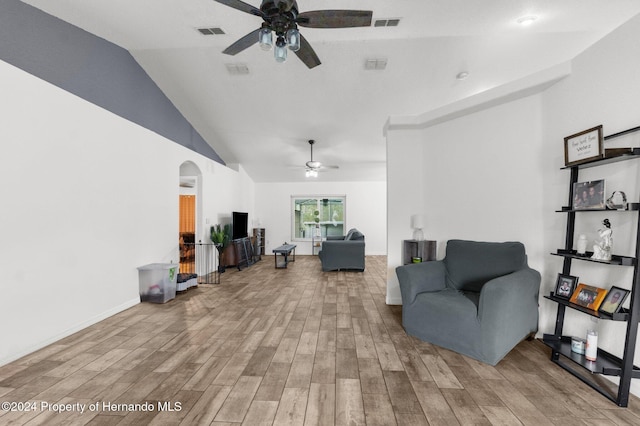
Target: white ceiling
<point>263,120</point>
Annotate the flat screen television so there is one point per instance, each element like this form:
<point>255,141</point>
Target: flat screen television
<point>240,225</point>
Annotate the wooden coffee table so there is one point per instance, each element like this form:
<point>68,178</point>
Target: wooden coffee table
<point>285,250</point>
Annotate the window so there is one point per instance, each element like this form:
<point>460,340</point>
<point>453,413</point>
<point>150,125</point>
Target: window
<point>319,216</point>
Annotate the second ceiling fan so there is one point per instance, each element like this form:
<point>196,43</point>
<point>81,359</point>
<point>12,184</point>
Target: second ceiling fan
<point>282,18</point>
<point>313,167</point>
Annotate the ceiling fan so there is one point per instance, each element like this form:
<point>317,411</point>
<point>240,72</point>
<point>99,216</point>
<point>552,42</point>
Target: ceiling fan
<point>283,18</point>
<point>313,167</point>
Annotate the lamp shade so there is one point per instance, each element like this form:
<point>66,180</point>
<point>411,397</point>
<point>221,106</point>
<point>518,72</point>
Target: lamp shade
<point>417,221</point>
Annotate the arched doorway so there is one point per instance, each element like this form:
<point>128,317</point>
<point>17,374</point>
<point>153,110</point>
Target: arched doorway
<point>190,214</point>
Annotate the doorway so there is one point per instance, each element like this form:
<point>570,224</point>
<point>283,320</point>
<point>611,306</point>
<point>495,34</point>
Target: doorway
<point>196,257</point>
<point>187,233</point>
<point>189,216</point>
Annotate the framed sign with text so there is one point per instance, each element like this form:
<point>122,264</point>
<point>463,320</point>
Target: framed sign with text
<point>584,146</point>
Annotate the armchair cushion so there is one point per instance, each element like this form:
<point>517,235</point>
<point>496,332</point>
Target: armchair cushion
<point>470,264</point>
<point>480,300</point>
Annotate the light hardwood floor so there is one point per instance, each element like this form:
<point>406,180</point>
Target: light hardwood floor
<point>295,346</point>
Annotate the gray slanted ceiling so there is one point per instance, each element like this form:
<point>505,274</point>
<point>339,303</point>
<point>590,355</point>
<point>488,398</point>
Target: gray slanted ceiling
<point>93,69</point>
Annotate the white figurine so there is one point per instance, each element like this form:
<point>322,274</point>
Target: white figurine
<point>602,250</point>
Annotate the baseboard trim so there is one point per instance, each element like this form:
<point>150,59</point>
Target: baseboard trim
<point>93,320</point>
<point>394,300</point>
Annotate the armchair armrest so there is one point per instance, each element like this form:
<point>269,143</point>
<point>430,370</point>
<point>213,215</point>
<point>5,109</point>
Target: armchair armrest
<point>335,237</point>
<point>419,278</point>
<point>506,296</point>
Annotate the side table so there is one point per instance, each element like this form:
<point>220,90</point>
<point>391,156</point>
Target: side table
<point>424,250</point>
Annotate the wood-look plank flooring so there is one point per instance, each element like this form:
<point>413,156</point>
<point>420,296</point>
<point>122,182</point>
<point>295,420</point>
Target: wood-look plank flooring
<point>294,346</point>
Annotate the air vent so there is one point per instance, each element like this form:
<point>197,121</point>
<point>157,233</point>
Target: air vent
<point>392,22</point>
<point>375,64</point>
<point>237,69</point>
<point>211,31</point>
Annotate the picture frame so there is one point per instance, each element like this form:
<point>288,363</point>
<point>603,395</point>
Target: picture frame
<point>583,147</point>
<point>588,296</point>
<point>612,303</point>
<point>565,286</point>
<point>589,195</point>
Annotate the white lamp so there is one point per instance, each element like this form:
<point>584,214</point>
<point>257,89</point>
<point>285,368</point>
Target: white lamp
<point>417,223</point>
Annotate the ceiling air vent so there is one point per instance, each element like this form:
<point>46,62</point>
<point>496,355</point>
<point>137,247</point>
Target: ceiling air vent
<point>375,64</point>
<point>389,22</point>
<point>237,69</point>
<point>211,31</point>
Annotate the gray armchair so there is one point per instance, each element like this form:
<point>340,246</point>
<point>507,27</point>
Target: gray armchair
<point>481,300</point>
<point>343,252</point>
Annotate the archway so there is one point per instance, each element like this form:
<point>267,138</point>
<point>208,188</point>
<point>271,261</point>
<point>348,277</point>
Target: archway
<point>190,215</point>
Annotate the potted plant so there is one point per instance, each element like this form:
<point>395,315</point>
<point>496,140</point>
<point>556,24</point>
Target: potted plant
<point>221,237</point>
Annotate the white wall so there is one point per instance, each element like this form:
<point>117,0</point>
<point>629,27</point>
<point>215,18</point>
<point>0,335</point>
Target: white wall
<point>228,191</point>
<point>365,210</point>
<point>87,198</point>
<point>475,177</point>
<point>405,196</point>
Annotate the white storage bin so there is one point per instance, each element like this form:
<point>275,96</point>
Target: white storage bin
<point>158,282</point>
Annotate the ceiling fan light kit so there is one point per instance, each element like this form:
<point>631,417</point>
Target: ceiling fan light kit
<point>282,18</point>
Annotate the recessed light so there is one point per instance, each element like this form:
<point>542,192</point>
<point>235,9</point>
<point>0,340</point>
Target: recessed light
<point>526,20</point>
<point>462,75</point>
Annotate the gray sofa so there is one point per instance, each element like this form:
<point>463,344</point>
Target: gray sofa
<point>343,252</point>
<point>481,300</point>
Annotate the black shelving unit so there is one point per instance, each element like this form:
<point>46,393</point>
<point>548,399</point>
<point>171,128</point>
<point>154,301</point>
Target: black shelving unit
<point>606,363</point>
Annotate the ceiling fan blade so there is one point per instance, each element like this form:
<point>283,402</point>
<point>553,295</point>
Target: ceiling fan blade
<point>308,56</point>
<point>245,42</point>
<point>335,18</point>
<point>323,169</point>
<point>241,6</point>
